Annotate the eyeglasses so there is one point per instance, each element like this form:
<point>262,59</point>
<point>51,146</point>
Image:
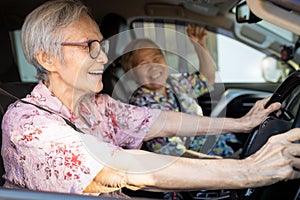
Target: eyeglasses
<point>95,46</point>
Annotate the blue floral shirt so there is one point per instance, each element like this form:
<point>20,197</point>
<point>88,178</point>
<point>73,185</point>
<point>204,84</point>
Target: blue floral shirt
<point>182,90</point>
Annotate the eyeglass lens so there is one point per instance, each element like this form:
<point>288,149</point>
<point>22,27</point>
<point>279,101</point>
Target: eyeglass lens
<point>95,48</point>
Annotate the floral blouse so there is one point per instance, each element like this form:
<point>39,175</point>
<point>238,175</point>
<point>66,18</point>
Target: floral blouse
<point>42,152</point>
<point>182,92</point>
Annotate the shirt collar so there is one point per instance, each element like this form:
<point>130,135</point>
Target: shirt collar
<point>45,98</point>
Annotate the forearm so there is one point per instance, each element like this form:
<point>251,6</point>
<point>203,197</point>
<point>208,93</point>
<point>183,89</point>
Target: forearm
<point>207,66</point>
<point>202,125</point>
<point>171,123</point>
<point>161,173</point>
<point>198,174</point>
<point>275,161</point>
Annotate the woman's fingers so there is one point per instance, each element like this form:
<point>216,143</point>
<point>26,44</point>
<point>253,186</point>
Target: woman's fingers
<point>293,135</point>
<point>197,33</point>
<point>283,153</point>
<point>258,113</point>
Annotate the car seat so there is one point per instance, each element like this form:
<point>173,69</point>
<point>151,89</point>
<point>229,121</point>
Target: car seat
<point>19,90</point>
<point>110,26</point>
<point>8,69</point>
<point>9,81</point>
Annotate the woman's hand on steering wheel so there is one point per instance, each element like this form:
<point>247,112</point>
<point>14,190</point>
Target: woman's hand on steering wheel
<point>283,153</point>
<point>258,113</point>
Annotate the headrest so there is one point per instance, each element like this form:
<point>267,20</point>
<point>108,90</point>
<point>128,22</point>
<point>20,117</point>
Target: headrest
<point>112,24</point>
<point>6,56</point>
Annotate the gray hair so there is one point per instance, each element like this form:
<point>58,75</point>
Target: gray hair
<point>42,29</point>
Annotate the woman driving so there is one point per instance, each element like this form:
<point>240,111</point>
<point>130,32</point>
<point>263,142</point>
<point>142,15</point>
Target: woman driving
<point>65,137</point>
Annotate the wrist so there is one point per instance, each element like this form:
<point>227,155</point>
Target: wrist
<point>245,167</point>
<point>244,124</point>
<point>198,45</point>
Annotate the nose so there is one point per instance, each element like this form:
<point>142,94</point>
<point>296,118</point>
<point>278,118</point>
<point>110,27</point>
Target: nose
<point>102,58</point>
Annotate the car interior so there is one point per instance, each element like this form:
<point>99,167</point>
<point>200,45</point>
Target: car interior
<point>254,44</point>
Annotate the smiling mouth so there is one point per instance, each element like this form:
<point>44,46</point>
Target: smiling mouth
<point>156,75</point>
<point>100,72</point>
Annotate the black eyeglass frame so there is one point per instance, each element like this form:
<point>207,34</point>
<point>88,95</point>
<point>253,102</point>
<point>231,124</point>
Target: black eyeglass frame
<point>103,46</point>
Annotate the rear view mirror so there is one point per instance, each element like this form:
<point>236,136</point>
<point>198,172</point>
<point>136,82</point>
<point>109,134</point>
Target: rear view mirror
<point>243,14</point>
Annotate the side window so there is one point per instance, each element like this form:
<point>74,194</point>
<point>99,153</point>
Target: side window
<point>177,47</point>
<point>238,62</point>
<point>235,61</point>
<point>27,71</point>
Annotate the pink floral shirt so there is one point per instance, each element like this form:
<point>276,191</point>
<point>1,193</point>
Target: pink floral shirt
<point>42,152</point>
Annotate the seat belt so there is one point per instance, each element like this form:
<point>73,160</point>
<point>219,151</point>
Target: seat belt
<point>210,139</point>
<point>39,107</point>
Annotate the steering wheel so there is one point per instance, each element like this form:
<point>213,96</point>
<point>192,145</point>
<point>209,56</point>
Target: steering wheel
<point>288,117</point>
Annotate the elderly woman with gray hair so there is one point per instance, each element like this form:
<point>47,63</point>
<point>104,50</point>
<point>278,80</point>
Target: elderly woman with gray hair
<point>65,137</point>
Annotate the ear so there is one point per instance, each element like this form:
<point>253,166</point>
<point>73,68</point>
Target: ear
<point>45,61</point>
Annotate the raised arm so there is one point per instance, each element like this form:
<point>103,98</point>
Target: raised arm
<point>198,37</point>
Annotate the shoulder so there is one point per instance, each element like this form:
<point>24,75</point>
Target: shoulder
<point>25,116</point>
<point>19,108</point>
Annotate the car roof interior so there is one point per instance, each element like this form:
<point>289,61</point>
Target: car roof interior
<point>190,10</point>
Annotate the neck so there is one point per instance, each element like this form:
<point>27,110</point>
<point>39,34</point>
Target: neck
<point>162,91</point>
<point>65,93</point>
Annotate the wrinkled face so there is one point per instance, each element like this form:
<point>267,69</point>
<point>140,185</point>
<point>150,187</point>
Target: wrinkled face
<point>150,68</point>
<point>79,72</point>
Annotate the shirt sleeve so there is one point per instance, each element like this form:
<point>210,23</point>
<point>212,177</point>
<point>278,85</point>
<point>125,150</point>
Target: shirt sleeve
<point>195,84</point>
<point>56,156</point>
<point>120,124</point>
<point>42,153</point>
<point>131,123</point>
